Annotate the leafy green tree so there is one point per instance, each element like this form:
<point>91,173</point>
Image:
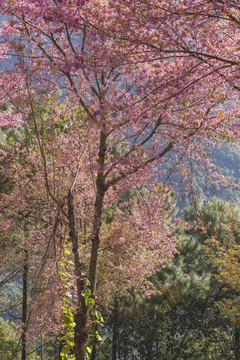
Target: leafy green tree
<point>179,322</point>
<point>18,285</point>
<point>224,252</point>
<point>182,321</point>
<point>10,345</point>
<point>9,341</point>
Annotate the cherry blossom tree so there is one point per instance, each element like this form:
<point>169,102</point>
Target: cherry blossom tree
<point>53,197</point>
<point>149,88</point>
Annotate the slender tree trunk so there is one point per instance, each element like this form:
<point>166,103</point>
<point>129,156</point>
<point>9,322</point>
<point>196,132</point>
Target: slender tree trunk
<point>157,348</point>
<point>24,304</point>
<point>114,330</point>
<point>237,342</point>
<point>60,350</point>
<point>41,350</point>
<point>93,353</point>
<point>98,206</point>
<point>80,316</point>
<point>96,238</point>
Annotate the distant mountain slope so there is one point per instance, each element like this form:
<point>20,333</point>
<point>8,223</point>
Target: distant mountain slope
<point>227,158</point>
<point>227,161</point>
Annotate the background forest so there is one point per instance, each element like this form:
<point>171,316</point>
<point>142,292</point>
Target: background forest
<point>119,180</point>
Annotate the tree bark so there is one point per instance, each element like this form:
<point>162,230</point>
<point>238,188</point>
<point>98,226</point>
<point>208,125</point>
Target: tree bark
<point>80,316</point>
<point>237,342</point>
<point>93,353</point>
<point>98,206</point>
<point>61,345</point>
<point>96,238</point>
<point>114,330</point>
<point>24,304</point>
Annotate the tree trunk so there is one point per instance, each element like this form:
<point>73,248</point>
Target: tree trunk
<point>93,353</point>
<point>24,304</point>
<point>237,342</point>
<point>98,206</point>
<point>96,238</point>
<point>114,330</point>
<point>41,349</point>
<point>61,345</point>
<point>80,316</point>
